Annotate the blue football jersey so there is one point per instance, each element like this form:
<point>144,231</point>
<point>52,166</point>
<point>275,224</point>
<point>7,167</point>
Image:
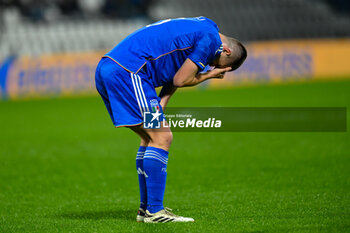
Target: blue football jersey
<point>162,47</point>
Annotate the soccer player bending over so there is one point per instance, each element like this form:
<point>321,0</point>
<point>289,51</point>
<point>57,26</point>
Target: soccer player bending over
<point>170,53</point>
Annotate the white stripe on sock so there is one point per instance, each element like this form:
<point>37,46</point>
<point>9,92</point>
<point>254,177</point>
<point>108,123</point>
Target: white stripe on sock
<point>161,157</point>
<point>149,156</point>
<point>156,152</point>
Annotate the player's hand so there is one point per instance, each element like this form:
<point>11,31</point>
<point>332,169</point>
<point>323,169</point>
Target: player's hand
<point>218,72</point>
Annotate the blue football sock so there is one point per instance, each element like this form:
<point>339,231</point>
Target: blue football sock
<point>155,163</point>
<point>142,181</point>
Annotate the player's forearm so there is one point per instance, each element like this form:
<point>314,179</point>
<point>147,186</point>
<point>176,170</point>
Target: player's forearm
<point>195,80</point>
<point>188,74</point>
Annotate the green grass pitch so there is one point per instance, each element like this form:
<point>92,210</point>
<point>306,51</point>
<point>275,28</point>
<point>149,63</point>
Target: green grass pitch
<point>65,168</point>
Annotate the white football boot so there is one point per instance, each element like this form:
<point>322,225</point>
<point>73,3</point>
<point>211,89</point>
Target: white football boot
<point>141,214</point>
<point>165,215</point>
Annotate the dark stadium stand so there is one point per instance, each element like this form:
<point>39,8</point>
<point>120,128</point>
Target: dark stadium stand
<point>55,29</point>
<point>262,19</point>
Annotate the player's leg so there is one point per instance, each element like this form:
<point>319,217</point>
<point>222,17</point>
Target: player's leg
<point>156,154</point>
<point>127,96</point>
<point>154,165</point>
<point>116,87</point>
<point>155,172</point>
<point>140,171</point>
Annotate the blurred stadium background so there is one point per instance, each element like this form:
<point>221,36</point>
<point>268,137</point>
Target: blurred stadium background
<point>34,32</point>
<point>64,168</point>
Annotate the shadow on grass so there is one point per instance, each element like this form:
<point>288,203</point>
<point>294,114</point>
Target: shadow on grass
<point>128,215</point>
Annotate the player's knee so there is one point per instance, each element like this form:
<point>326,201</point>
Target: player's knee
<point>163,139</point>
<point>168,138</point>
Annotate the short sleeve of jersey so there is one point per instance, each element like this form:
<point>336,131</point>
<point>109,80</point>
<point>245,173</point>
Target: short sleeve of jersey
<point>205,49</point>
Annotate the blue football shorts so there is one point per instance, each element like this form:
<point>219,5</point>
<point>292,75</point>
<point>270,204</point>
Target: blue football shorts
<point>126,96</point>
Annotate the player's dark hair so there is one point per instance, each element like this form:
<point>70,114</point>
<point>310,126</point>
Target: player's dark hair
<point>240,53</point>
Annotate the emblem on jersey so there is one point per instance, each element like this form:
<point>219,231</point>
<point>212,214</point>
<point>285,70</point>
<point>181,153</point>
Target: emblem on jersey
<point>154,105</point>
